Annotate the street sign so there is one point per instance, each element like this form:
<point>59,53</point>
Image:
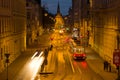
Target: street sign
<point>116,57</point>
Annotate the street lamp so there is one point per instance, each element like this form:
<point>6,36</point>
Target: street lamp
<point>45,14</point>
<point>7,61</point>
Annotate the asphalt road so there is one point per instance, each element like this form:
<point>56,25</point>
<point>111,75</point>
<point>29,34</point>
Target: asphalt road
<point>60,66</point>
<point>63,66</point>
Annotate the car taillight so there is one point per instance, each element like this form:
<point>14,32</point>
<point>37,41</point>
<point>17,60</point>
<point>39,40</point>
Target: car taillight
<point>74,54</point>
<point>84,54</point>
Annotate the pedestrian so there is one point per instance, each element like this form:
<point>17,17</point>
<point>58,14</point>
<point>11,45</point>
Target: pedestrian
<point>105,65</point>
<point>51,46</point>
<point>46,53</point>
<point>109,66</point>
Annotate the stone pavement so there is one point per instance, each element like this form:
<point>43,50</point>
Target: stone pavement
<point>97,66</point>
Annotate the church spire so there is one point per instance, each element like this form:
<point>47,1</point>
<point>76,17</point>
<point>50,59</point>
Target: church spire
<point>58,8</point>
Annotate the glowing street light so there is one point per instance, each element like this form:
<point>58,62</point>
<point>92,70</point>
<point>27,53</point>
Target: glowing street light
<point>45,14</point>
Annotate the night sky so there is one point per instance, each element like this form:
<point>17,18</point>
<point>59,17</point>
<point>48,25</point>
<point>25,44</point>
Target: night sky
<point>52,5</point>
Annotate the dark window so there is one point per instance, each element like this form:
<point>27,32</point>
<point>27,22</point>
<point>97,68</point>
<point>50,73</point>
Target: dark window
<point>27,4</point>
<point>88,2</point>
<point>28,15</point>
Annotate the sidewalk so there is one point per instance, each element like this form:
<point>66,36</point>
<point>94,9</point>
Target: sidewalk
<point>97,66</point>
<point>16,65</point>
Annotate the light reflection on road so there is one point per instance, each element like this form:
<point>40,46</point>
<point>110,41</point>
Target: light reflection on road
<point>85,71</point>
<point>31,68</point>
<point>65,67</point>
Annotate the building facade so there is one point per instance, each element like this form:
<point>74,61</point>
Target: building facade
<point>81,18</point>
<point>76,7</point>
<point>69,20</point>
<point>12,29</point>
<point>99,18</point>
<point>105,27</point>
<point>59,19</point>
<point>34,20</point>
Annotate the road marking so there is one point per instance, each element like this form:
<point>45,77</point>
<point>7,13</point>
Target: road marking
<point>71,64</point>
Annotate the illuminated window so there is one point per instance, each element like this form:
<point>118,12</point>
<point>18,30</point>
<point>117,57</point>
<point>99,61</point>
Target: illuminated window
<point>91,3</point>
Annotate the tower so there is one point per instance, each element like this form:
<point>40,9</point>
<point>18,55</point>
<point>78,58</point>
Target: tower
<point>59,19</point>
<point>58,8</point>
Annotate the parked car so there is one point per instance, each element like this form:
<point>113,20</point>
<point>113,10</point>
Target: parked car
<point>78,53</point>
